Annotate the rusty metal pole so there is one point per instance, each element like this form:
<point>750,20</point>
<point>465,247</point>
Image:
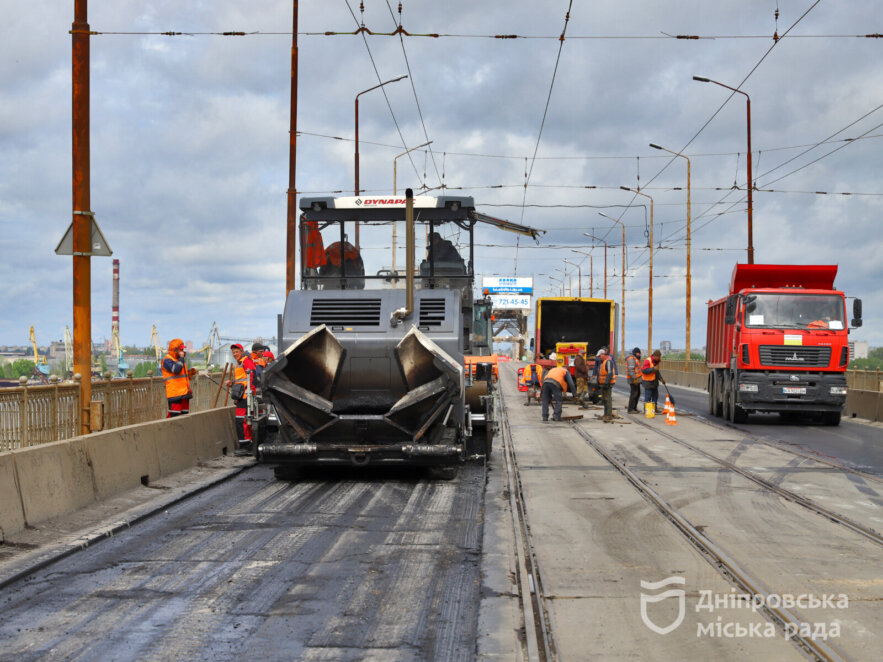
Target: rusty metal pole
<point>291,225</point>
<point>750,185</point>
<point>82,208</point>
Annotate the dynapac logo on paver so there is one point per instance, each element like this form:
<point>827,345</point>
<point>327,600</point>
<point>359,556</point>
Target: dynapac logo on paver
<point>379,202</point>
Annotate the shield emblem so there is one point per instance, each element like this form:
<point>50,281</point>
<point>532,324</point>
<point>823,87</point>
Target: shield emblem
<point>678,593</point>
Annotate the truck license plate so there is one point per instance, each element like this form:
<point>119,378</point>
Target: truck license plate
<point>794,390</point>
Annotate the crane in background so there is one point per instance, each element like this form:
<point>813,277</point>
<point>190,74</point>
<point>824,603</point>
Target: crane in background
<point>68,352</point>
<point>39,362</point>
<point>209,348</point>
<point>122,365</point>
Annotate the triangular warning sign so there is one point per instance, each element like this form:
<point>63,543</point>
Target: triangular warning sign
<point>98,244</point>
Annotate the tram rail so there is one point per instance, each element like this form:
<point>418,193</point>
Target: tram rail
<point>787,620</point>
<point>539,641</point>
<point>857,527</point>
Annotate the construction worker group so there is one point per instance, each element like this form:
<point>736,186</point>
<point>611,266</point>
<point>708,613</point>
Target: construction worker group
<point>245,381</point>
<point>557,380</point>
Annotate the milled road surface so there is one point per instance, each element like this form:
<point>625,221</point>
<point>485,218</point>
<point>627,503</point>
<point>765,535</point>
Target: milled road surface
<point>328,567</point>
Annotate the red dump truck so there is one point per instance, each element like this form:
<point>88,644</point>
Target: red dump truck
<point>778,343</point>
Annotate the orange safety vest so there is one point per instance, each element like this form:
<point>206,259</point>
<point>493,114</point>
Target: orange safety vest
<point>606,373</point>
<point>817,324</point>
<point>240,375</point>
<point>631,367</point>
<point>176,385</point>
<point>652,376</point>
<point>259,360</point>
<point>527,376</point>
<point>558,375</point>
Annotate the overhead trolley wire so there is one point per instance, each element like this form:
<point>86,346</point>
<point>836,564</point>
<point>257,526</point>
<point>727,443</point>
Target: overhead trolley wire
<point>725,102</point>
<point>402,32</point>
<point>414,89</point>
<point>380,80</point>
<point>529,171</point>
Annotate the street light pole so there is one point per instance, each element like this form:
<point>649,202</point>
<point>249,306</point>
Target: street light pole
<point>650,293</point>
<point>689,278</point>
<point>395,192</point>
<point>622,331</point>
<point>750,184</point>
<point>591,270</point>
<point>560,281</point>
<point>605,259</point>
<point>357,139</point>
<point>579,271</point>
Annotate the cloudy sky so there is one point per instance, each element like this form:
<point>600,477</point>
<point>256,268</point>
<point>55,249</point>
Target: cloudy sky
<point>190,146</point>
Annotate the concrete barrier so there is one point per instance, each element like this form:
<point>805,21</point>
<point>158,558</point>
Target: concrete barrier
<point>49,480</point>
<point>12,518</point>
<point>864,404</point>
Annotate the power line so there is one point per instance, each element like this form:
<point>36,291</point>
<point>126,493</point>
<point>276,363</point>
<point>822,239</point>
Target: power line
<point>414,88</point>
<point>594,157</point>
<point>529,172</point>
<point>380,80</point>
<point>401,32</point>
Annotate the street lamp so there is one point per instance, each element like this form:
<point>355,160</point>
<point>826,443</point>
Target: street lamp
<point>650,293</point>
<point>616,220</point>
<point>591,270</point>
<point>395,192</point>
<point>689,280</point>
<point>579,271</point>
<point>564,273</point>
<point>357,138</point>
<point>702,79</point>
<point>560,280</point>
<point>591,236</point>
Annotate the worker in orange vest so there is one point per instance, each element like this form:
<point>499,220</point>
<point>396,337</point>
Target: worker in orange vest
<point>176,378</point>
<point>651,376</point>
<point>257,356</point>
<point>633,376</point>
<point>556,381</point>
<point>242,382</point>
<point>605,374</point>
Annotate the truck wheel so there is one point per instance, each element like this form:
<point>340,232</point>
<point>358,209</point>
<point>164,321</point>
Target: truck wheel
<point>735,413</point>
<point>832,418</point>
<point>712,402</point>
<point>725,399</point>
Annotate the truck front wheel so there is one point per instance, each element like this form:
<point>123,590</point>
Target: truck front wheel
<point>713,404</point>
<point>831,418</point>
<point>735,413</point>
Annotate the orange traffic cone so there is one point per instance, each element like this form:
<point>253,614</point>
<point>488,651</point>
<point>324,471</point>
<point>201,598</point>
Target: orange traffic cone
<point>667,407</point>
<point>670,418</point>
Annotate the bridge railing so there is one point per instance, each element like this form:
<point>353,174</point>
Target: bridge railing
<point>31,415</point>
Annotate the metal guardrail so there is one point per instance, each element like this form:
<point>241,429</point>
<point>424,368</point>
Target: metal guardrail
<point>860,380</point>
<point>32,415</point>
